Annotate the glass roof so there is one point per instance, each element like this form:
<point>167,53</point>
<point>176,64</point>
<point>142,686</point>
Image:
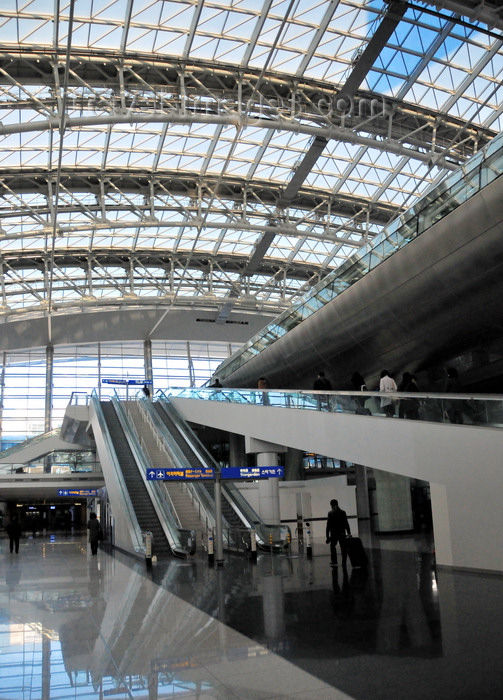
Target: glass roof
<point>225,152</point>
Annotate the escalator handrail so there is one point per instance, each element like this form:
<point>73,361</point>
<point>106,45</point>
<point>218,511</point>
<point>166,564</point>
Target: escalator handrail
<point>180,460</point>
<point>135,533</point>
<point>235,498</point>
<point>142,461</point>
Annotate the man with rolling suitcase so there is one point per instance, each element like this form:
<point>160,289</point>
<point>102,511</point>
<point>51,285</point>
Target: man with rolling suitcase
<point>337,528</point>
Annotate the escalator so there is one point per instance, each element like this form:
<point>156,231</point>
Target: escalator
<point>140,498</point>
<point>194,460</point>
<point>238,515</point>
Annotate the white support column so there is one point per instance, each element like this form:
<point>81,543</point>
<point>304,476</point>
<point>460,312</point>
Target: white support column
<point>49,366</point>
<point>147,359</point>
<point>2,389</point>
<point>268,490</point>
<point>394,504</point>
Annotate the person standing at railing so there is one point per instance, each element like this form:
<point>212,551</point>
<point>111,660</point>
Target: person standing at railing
<point>409,408</point>
<point>358,384</point>
<point>321,383</point>
<point>146,391</point>
<point>387,384</point>
<point>263,383</point>
<point>453,408</point>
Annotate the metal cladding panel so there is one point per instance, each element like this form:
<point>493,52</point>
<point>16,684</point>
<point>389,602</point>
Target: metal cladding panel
<point>439,295</point>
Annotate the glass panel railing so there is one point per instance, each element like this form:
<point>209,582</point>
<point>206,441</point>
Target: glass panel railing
<point>29,442</point>
<point>56,463</point>
<point>435,204</point>
<point>468,409</point>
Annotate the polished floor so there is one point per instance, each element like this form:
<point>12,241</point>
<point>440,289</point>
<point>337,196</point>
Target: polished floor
<point>77,626</point>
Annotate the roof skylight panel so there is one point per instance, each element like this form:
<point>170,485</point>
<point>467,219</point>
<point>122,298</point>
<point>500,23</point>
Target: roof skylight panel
<point>140,159</point>
<point>322,181</point>
<point>170,43</point>
<point>139,39</point>
<point>276,173</point>
<point>105,36</point>
<point>361,189</point>
<point>230,50</point>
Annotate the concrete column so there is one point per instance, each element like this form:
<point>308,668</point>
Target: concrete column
<point>394,503</point>
<point>99,371</point>
<point>294,465</point>
<point>237,454</point>
<point>268,491</point>
<point>2,389</point>
<point>49,368</point>
<point>147,359</point>
<point>362,492</point>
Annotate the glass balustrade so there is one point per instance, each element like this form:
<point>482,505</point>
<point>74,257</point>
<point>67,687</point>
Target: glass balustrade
<point>468,409</point>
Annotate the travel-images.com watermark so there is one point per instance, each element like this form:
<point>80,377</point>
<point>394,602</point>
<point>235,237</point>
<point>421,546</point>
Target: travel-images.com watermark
<point>294,107</point>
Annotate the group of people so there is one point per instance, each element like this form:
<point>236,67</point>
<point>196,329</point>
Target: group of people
<point>404,407</point>
<point>408,408</point>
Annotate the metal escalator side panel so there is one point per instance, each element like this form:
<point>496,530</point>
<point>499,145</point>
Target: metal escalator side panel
<point>154,516</point>
<point>127,530</point>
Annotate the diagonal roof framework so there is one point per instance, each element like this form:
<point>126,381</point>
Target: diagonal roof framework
<point>224,154</point>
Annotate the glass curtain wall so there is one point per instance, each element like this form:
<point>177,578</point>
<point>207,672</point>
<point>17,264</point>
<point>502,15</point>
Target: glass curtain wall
<point>83,368</point>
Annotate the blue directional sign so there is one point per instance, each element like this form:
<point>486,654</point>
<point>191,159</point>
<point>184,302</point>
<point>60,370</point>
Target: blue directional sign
<point>180,474</point>
<point>133,382</point>
<point>77,492</point>
<point>251,472</point>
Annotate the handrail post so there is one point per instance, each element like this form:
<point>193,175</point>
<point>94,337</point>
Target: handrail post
<point>211,555</point>
<point>148,549</point>
<point>253,545</point>
<point>309,541</point>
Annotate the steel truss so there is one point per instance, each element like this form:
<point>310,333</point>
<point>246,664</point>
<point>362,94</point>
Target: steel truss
<point>212,229</point>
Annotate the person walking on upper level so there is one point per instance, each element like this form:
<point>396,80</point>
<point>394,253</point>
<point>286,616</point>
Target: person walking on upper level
<point>263,383</point>
<point>321,383</point>
<point>454,408</point>
<point>387,384</point>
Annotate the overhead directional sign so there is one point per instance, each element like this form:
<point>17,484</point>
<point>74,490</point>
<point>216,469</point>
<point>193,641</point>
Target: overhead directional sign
<point>134,382</point>
<point>77,492</point>
<point>251,472</point>
<point>180,474</point>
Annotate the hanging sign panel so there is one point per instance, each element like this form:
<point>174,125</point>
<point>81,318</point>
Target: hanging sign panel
<point>180,474</point>
<point>129,382</point>
<point>251,472</point>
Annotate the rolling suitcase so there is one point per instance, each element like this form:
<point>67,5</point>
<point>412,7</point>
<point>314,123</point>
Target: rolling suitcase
<point>356,553</point>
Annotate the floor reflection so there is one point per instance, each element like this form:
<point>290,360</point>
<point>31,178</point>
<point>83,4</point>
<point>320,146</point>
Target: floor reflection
<point>72,625</point>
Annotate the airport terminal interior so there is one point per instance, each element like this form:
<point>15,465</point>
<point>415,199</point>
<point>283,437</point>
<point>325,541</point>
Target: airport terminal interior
<point>204,204</point>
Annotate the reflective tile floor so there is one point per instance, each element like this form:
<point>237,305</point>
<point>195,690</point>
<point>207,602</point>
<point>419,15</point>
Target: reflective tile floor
<point>77,626</point>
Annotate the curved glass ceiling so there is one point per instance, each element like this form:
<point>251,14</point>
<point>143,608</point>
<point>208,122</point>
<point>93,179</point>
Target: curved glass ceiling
<point>226,154</point>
